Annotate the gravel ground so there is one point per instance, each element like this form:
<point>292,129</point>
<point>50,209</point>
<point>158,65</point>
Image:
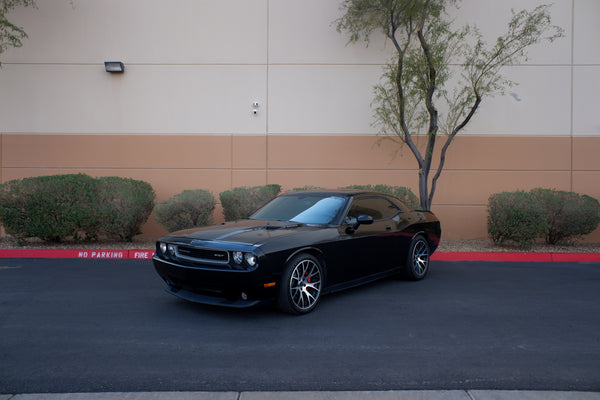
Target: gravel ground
<point>445,245</point>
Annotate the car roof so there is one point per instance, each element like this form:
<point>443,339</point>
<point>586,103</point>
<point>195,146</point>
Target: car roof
<point>342,192</point>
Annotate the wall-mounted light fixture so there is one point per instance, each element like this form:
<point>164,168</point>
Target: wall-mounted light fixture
<point>114,66</point>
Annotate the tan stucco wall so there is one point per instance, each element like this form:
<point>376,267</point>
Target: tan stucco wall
<point>180,116</point>
<point>477,166</point>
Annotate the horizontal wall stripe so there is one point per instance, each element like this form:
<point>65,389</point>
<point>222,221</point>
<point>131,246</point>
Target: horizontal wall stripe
<point>477,166</point>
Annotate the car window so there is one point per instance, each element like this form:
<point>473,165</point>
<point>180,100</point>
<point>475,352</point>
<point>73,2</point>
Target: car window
<point>322,212</point>
<point>308,209</point>
<point>375,207</point>
<point>403,207</point>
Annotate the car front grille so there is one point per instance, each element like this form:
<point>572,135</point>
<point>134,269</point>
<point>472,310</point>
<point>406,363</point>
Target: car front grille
<point>209,256</point>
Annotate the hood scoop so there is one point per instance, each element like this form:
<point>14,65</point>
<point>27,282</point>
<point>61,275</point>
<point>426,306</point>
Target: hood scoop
<point>274,227</point>
<point>258,228</point>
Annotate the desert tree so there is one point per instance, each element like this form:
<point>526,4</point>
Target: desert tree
<point>11,35</point>
<point>439,73</point>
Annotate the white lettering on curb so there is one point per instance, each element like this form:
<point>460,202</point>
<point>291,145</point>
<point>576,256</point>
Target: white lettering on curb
<point>142,255</point>
<point>101,254</point>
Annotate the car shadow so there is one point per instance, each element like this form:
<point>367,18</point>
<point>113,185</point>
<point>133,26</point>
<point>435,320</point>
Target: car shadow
<point>380,291</point>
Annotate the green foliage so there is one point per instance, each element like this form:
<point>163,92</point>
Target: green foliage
<point>515,216</point>
<point>59,207</point>
<point>240,202</point>
<point>569,215</point>
<point>11,35</point>
<point>124,205</point>
<point>48,207</point>
<point>188,209</point>
<point>401,192</point>
<point>307,187</point>
<point>417,83</point>
<point>557,216</point>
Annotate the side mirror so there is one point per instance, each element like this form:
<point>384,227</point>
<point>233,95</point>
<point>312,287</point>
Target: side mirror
<point>361,220</point>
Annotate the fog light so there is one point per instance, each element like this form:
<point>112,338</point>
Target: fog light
<point>244,296</point>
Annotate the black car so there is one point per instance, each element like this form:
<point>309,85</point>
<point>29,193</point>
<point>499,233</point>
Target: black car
<point>298,247</point>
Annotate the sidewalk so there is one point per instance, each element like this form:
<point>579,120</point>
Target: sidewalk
<point>383,395</point>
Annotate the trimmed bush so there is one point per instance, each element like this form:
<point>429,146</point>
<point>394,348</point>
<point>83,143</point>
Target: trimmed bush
<point>49,207</point>
<point>77,206</point>
<point>401,192</point>
<point>557,216</point>
<point>568,215</point>
<point>124,205</point>
<point>307,187</point>
<point>188,209</point>
<point>515,216</point>
<point>240,202</point>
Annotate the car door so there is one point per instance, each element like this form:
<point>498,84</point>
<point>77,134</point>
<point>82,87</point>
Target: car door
<point>371,247</point>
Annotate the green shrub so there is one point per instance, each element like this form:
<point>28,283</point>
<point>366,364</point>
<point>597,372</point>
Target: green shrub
<point>124,205</point>
<point>188,209</point>
<point>59,207</point>
<point>569,215</point>
<point>401,192</point>
<point>240,202</point>
<point>515,216</point>
<point>307,187</point>
<point>49,207</point>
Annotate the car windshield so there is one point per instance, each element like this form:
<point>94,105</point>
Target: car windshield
<point>304,208</point>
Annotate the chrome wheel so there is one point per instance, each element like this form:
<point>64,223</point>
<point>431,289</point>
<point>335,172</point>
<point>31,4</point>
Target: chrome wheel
<point>301,285</point>
<point>418,258</point>
<point>305,284</point>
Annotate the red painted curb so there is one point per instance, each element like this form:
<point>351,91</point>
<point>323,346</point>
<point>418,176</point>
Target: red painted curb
<point>492,256</point>
<point>438,256</point>
<point>83,253</point>
<point>516,256</point>
<point>576,257</point>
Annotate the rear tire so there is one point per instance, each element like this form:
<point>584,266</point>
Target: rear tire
<point>301,284</point>
<point>417,262</point>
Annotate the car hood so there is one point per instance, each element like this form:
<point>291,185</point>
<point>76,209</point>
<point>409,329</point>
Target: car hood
<point>250,232</point>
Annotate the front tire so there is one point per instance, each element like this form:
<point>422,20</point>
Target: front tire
<point>301,284</point>
<point>417,262</point>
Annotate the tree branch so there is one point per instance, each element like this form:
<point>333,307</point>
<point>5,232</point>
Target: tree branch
<point>449,140</point>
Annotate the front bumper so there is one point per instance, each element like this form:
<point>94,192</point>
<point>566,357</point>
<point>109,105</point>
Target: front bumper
<point>195,297</point>
<point>230,288</point>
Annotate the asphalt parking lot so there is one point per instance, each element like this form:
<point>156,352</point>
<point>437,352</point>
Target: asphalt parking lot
<point>103,326</point>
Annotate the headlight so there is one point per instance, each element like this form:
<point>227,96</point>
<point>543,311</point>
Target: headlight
<point>163,248</point>
<point>250,259</point>
<point>238,257</point>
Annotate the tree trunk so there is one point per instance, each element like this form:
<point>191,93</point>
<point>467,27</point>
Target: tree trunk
<point>424,189</point>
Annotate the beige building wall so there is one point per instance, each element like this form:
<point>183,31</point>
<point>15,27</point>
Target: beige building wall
<point>180,117</point>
